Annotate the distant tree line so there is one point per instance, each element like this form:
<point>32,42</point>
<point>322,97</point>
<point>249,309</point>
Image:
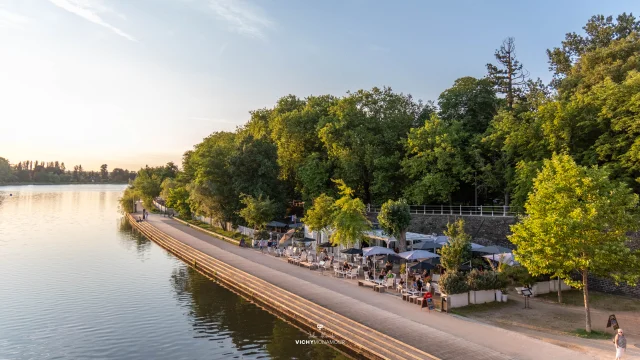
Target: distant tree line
<point>55,172</point>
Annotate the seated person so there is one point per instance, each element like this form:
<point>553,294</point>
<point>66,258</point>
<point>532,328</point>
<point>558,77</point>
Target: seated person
<point>389,274</point>
<point>345,266</point>
<point>242,243</point>
<point>388,266</point>
<point>401,284</point>
<point>419,284</point>
<point>383,273</point>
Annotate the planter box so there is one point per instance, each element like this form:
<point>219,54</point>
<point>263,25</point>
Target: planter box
<point>553,286</point>
<point>499,295</point>
<point>482,296</point>
<point>541,287</point>
<point>505,298</point>
<point>457,300</point>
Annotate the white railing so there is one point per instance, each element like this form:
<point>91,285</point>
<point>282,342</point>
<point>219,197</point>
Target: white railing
<point>461,210</point>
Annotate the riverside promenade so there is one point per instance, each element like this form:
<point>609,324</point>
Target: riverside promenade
<point>420,334</point>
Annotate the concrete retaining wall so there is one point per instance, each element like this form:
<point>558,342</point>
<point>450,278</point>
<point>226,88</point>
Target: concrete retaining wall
<point>485,230</point>
<point>360,340</point>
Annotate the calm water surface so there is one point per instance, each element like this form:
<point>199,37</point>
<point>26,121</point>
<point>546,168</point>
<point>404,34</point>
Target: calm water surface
<point>77,283</point>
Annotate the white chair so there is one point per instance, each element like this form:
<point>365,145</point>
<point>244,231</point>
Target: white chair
<point>353,273</point>
<point>388,283</point>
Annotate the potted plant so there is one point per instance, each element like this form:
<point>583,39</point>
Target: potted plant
<point>481,286</point>
<point>454,286</point>
<point>500,285</point>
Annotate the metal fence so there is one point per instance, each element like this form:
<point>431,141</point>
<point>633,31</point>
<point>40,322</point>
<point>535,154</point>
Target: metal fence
<point>461,210</point>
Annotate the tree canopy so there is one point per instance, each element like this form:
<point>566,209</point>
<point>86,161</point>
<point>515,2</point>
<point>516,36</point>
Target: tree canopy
<point>577,220</point>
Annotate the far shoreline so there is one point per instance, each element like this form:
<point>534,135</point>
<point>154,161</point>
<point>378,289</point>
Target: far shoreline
<point>79,183</point>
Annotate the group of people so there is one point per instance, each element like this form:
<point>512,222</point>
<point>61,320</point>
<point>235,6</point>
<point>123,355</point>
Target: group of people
<point>145,214</point>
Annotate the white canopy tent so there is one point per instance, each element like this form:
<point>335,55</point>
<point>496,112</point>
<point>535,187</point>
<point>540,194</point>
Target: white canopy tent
<point>412,238</point>
<point>504,258</point>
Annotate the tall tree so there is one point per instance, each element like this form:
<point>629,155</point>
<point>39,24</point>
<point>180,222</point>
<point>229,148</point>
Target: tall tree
<point>600,32</point>
<point>395,218</point>
<point>350,220</point>
<point>509,77</point>
<point>319,217</point>
<point>458,249</point>
<point>257,211</point>
<point>104,172</point>
<point>577,220</point>
<point>5,170</point>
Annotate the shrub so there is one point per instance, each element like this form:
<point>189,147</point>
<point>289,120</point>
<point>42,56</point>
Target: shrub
<point>452,283</point>
<point>482,280</point>
<point>518,275</point>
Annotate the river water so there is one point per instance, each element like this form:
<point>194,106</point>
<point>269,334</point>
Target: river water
<point>77,283</point>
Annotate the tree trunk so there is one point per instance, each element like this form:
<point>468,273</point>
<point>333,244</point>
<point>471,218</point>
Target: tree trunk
<point>402,241</point>
<point>559,291</point>
<point>586,300</point>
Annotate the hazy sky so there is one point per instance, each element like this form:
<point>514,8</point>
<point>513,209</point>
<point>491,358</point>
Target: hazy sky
<point>135,82</point>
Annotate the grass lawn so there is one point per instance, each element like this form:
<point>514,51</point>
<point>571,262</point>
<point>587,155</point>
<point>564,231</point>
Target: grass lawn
<point>597,300</point>
<point>599,335</point>
<point>474,309</point>
<point>204,225</point>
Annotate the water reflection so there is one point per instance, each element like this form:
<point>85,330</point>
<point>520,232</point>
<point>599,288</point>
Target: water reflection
<point>79,283</point>
<point>133,238</point>
<point>219,313</point>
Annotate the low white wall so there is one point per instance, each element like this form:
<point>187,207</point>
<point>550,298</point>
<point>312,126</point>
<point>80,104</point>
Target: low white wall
<point>482,296</point>
<point>457,300</point>
<point>541,287</point>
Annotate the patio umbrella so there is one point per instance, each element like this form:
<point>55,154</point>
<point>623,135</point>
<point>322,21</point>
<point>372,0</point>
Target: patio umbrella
<point>426,245</point>
<point>352,251</point>
<point>376,250</point>
<point>417,255</point>
<point>493,249</point>
<point>423,265</point>
<point>327,244</point>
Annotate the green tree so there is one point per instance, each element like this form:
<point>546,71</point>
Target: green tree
<point>577,220</point>
<point>104,173</point>
<point>350,219</point>
<point>600,32</point>
<point>320,216</point>
<point>167,185</point>
<point>258,211</point>
<point>364,130</point>
<point>212,183</point>
<point>471,101</point>
<point>394,219</point>
<point>435,162</point>
<point>458,250</point>
<point>5,170</point>
<point>147,186</point>
<point>314,176</point>
<point>178,199</point>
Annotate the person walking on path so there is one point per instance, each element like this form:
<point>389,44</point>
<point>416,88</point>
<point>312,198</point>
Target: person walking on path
<point>621,344</point>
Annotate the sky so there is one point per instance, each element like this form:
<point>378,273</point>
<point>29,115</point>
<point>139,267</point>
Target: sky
<point>139,82</point>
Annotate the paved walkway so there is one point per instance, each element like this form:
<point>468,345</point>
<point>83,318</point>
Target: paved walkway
<point>443,335</point>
